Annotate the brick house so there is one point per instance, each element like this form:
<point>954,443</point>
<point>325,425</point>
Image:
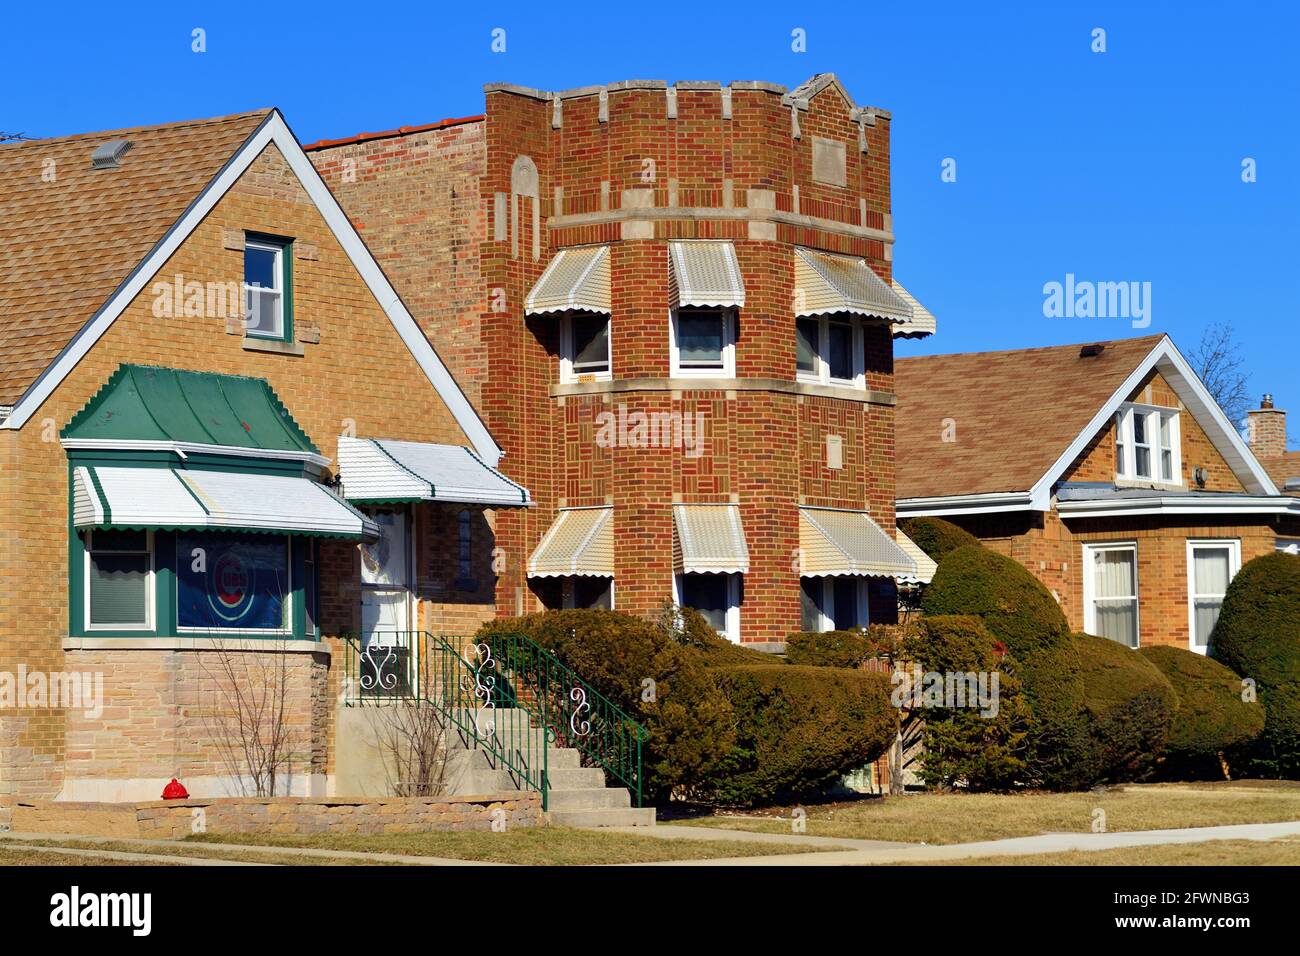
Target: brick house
<point>1106,469</point>
<point>197,348</point>
<point>675,307</point>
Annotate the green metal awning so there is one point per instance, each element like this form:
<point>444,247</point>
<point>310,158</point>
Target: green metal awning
<point>143,404</point>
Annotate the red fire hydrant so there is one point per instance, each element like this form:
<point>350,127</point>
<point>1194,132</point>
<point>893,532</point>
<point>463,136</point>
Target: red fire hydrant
<point>174,791</point>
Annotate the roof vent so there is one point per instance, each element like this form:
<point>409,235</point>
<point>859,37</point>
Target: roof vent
<point>109,155</point>
<point>1091,351</point>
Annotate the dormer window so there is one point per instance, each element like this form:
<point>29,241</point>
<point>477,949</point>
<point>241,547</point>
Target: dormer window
<point>584,347</point>
<point>1147,445</point>
<point>829,350</point>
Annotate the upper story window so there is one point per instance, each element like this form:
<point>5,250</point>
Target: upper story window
<point>829,350</point>
<point>1147,446</point>
<point>703,342</point>
<point>268,288</point>
<point>584,346</point>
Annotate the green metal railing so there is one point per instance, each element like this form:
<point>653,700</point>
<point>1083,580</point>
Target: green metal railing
<point>574,712</point>
<point>468,690</point>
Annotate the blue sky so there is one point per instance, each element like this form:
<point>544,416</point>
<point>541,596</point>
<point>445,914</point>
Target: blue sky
<point>1117,166</point>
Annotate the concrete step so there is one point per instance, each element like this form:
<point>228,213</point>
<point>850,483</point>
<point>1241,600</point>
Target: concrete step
<point>575,778</point>
<point>604,817</point>
<point>590,798</point>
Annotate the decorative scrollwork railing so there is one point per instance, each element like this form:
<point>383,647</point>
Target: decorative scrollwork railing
<point>575,713</point>
<point>416,666</point>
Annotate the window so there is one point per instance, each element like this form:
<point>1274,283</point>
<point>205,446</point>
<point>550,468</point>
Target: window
<point>1110,592</point>
<point>234,582</point>
<point>716,596</point>
<point>829,351</point>
<point>1211,566</point>
<point>592,593</point>
<point>1288,547</point>
<point>464,548</point>
<point>834,603</point>
<point>703,343</point>
<point>119,580</point>
<point>1147,444</point>
<point>268,295</point>
<point>584,346</point>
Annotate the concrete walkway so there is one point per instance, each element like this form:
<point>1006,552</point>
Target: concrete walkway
<point>871,852</point>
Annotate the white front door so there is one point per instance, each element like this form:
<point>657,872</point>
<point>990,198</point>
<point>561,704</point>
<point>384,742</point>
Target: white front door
<point>386,580</point>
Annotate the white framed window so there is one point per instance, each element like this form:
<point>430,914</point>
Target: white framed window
<point>829,350</point>
<point>1211,566</point>
<point>716,596</point>
<point>1110,592</point>
<point>1147,445</point>
<point>585,347</point>
<point>119,581</point>
<point>264,272</point>
<point>1289,545</point>
<point>834,603</point>
<point>586,591</point>
<point>703,343</point>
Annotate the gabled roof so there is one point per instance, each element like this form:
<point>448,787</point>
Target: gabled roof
<point>70,235</point>
<point>1000,428</point>
<point>64,331</point>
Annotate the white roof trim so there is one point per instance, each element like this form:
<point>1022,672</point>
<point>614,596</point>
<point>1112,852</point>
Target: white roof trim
<point>183,448</point>
<point>275,130</point>
<point>1175,505</point>
<point>966,504</point>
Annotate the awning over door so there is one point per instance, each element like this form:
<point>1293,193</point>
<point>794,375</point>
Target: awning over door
<point>702,273</point>
<point>825,282</point>
<point>848,542</point>
<point>925,565</point>
<point>709,539</point>
<point>580,541</point>
<point>574,279</point>
<point>195,499</point>
<point>380,470</point>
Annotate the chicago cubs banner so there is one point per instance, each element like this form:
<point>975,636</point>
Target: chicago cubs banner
<point>232,581</point>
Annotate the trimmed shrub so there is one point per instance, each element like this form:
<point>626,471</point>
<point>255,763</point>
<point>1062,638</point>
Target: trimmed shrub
<point>830,648</point>
<point>937,537</point>
<point>1059,735</point>
<point>980,746</point>
<point>689,721</point>
<point>1258,637</point>
<point>1130,706</point>
<point>1015,606</point>
<point>1212,721</point>
<point>700,641</point>
<point>798,730</point>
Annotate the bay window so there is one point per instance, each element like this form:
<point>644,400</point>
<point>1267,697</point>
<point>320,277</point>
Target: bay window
<point>119,576</point>
<point>1147,445</point>
<point>236,582</point>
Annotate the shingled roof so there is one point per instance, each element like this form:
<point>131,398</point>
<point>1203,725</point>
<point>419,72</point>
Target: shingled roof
<point>1014,413</point>
<point>71,235</point>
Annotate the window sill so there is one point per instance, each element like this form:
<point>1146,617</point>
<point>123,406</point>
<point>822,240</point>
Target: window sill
<point>1148,483</point>
<point>245,643</point>
<point>274,346</point>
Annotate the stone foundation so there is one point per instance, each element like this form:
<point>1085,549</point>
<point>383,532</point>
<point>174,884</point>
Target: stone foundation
<point>177,819</point>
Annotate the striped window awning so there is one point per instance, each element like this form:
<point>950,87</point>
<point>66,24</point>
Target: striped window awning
<point>195,499</point>
<point>825,282</point>
<point>925,565</point>
<point>579,541</point>
<point>574,279</point>
<point>835,542</point>
<point>384,471</point>
<point>704,273</point>
<point>709,539</point>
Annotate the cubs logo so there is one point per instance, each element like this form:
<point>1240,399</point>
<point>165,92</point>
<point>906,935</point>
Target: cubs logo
<point>231,594</point>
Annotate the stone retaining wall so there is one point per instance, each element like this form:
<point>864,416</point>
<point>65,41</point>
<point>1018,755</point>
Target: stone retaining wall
<point>176,819</point>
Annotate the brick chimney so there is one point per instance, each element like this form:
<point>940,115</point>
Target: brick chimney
<point>1267,430</point>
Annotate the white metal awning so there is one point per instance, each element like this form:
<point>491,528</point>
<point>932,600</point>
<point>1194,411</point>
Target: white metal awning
<point>922,323</point>
<point>704,273</point>
<point>381,470</point>
<point>825,282</point>
<point>580,541</point>
<point>925,565</point>
<point>188,499</point>
<point>574,279</point>
<point>848,542</point>
<point>709,539</point>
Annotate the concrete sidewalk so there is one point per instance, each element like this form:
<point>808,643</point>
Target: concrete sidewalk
<point>871,852</point>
